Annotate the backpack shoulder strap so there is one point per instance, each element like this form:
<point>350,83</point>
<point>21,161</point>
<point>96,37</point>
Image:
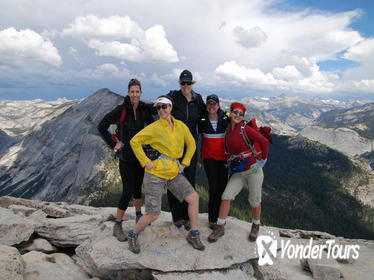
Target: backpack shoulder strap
<point>247,141</point>
<point>123,115</point>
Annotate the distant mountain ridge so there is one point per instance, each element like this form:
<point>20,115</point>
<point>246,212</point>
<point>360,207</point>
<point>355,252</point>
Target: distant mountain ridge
<point>350,131</point>
<point>359,119</point>
<point>297,112</point>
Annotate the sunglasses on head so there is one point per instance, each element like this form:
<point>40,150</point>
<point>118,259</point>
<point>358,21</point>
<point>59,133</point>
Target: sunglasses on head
<point>163,106</point>
<point>238,113</point>
<point>185,83</point>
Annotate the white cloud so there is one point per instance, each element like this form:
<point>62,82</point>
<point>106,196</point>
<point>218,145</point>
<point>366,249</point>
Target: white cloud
<point>116,49</point>
<point>113,27</point>
<point>250,38</point>
<point>365,85</point>
<point>23,47</point>
<point>108,69</point>
<point>247,75</point>
<point>317,36</point>
<point>287,78</point>
<point>144,46</point>
<point>156,46</point>
<point>153,47</point>
<point>289,72</point>
<point>361,52</point>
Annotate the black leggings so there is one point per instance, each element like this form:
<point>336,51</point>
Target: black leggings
<point>216,172</point>
<point>179,210</point>
<point>132,174</point>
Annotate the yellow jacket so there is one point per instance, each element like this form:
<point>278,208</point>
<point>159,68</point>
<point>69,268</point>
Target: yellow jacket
<point>168,142</point>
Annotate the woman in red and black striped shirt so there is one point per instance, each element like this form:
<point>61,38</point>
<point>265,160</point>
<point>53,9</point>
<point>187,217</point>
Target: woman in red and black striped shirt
<point>213,129</point>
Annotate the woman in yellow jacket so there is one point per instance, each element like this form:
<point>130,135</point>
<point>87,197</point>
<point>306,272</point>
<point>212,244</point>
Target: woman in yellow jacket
<point>168,136</point>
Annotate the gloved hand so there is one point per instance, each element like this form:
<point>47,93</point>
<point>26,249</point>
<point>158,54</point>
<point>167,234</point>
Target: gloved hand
<point>259,164</point>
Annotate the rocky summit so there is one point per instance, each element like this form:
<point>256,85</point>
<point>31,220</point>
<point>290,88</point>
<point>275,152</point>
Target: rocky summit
<point>56,162</point>
<point>57,240</point>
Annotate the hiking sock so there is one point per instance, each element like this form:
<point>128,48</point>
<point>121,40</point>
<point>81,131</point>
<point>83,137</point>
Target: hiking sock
<point>221,221</point>
<point>138,213</point>
<point>194,231</point>
<point>132,233</point>
<point>256,222</point>
<point>118,222</point>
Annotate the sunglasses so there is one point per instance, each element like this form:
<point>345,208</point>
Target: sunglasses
<point>238,113</point>
<point>185,83</point>
<point>163,106</point>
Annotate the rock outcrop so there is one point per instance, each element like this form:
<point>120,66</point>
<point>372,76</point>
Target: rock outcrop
<point>57,266</point>
<point>14,228</point>
<point>55,162</point>
<point>86,249</point>
<point>344,140</point>
<point>12,265</point>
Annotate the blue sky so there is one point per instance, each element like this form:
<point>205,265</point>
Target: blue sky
<point>51,49</point>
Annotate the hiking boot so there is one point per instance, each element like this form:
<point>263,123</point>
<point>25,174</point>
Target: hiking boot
<point>187,225</point>
<point>118,233</point>
<point>218,231</point>
<point>194,240</point>
<point>212,225</point>
<point>137,218</point>
<point>133,242</point>
<point>179,223</point>
<point>254,232</point>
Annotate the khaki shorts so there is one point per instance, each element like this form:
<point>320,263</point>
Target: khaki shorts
<point>250,178</point>
<point>153,186</point>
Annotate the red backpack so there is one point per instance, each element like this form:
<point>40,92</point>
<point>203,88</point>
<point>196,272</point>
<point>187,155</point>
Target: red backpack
<point>264,130</point>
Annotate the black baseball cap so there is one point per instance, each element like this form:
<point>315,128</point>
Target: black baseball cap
<point>212,97</point>
<point>186,76</point>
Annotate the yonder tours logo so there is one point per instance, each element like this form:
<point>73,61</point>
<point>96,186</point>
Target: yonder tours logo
<point>267,246</point>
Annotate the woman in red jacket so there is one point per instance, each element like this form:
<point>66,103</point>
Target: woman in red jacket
<point>246,167</point>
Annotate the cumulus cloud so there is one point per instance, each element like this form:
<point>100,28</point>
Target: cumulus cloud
<point>150,45</point>
<point>116,49</point>
<point>248,75</point>
<point>287,78</point>
<point>250,38</point>
<point>113,27</point>
<point>156,46</point>
<point>289,72</point>
<point>19,48</point>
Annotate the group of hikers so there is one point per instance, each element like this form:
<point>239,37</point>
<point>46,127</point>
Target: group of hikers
<point>163,153</point>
